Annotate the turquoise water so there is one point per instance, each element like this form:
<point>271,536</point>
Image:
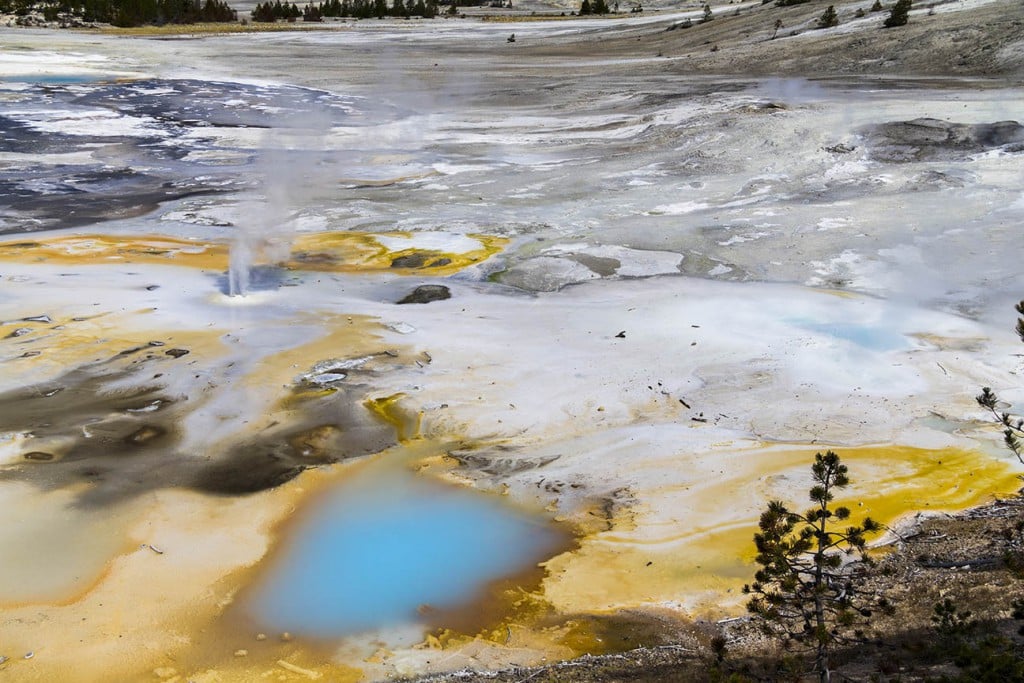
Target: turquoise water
<point>53,79</point>
<point>865,336</point>
<point>375,550</point>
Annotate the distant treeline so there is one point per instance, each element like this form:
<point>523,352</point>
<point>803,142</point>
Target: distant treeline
<point>126,12</point>
<point>358,9</point>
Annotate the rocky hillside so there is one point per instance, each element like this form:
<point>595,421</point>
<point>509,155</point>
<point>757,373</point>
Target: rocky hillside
<point>942,39</point>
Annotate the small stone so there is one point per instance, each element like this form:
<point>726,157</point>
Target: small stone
<point>144,435</point>
<point>150,288</point>
<point>30,354</point>
<point>261,636</point>
<point>38,319</point>
<point>241,653</point>
<point>20,332</point>
<point>327,378</point>
<point>176,353</point>
<point>424,294</point>
<point>156,343</point>
<point>286,637</point>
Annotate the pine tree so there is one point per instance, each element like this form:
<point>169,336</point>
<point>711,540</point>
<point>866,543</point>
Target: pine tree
<point>585,7</point>
<point>1013,427</point>
<point>877,7</point>
<point>801,590</point>
<point>708,16</point>
<point>829,18</point>
<point>899,14</point>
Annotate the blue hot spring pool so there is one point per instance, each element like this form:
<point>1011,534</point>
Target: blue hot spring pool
<point>873,338</point>
<point>375,550</point>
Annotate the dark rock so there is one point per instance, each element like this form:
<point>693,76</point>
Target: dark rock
<point>420,259</point>
<point>933,139</point>
<point>415,260</point>
<point>176,353</point>
<point>424,294</point>
<point>39,456</point>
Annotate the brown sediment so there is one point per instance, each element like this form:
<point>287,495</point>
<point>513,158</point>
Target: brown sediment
<point>345,252</point>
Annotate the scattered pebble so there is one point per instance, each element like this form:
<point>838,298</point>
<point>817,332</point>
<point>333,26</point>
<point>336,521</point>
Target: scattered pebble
<point>402,328</point>
<point>148,408</point>
<point>144,435</point>
<point>288,666</point>
<point>241,653</point>
<point>261,636</point>
<point>176,353</point>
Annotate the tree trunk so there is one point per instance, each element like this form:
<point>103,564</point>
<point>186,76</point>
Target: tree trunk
<point>821,651</point>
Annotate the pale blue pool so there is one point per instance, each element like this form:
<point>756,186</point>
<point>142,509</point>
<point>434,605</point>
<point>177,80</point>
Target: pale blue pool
<point>377,549</point>
<point>874,338</point>
<point>53,79</point>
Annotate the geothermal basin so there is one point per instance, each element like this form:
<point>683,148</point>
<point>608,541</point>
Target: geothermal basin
<point>229,452</point>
